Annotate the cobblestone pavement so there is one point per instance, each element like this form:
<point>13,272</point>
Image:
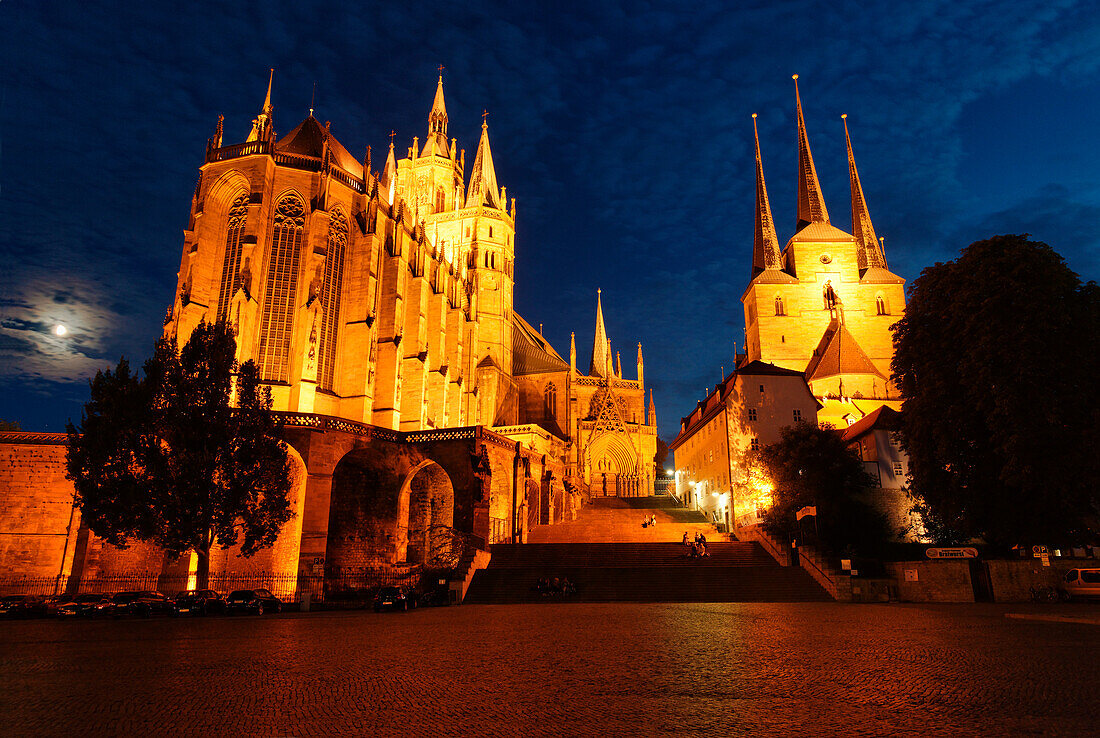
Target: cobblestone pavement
<point>562,669</point>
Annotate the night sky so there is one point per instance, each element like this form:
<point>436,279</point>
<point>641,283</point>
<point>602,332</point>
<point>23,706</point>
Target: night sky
<point>623,130</point>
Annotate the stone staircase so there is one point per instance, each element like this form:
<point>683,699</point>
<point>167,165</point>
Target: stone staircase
<point>611,558</point>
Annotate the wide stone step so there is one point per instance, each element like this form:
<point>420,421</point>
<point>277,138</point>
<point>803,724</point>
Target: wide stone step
<point>610,555</point>
<point>651,584</point>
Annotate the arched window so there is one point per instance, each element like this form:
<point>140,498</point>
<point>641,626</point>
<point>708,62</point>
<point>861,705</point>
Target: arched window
<point>330,298</point>
<point>440,200</point>
<point>880,305</point>
<point>282,285</point>
<point>550,401</point>
<point>780,308</point>
<point>231,264</point>
<point>490,231</point>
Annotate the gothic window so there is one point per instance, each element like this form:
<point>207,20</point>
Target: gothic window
<point>330,298</point>
<point>780,308</point>
<point>550,401</point>
<point>490,231</point>
<point>282,283</point>
<point>231,264</point>
<point>880,305</point>
<point>440,200</point>
<point>493,259</point>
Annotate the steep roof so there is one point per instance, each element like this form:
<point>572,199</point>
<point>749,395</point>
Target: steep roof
<point>531,353</point>
<point>811,203</point>
<point>600,358</point>
<point>821,232</point>
<point>483,179</point>
<point>882,418</point>
<point>308,139</point>
<point>839,353</point>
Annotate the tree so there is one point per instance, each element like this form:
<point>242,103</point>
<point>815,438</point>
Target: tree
<point>660,457</point>
<point>10,425</point>
<point>811,466</point>
<point>168,458</point>
<point>995,360</point>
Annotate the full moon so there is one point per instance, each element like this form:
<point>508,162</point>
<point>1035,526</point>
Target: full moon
<point>60,330</point>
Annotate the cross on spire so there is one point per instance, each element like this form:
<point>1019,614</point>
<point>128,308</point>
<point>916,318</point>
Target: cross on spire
<point>484,116</point>
<point>392,134</point>
<point>441,68</point>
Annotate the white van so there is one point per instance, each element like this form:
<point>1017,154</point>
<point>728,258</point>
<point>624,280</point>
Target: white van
<point>1081,583</point>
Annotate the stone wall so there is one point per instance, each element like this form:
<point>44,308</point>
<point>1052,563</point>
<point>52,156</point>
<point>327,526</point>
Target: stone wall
<point>39,525</point>
<point>936,581</point>
<point>1012,580</point>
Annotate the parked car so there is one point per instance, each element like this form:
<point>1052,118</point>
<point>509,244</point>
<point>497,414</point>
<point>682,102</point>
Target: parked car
<point>199,602</point>
<point>86,606</point>
<point>22,606</point>
<point>394,598</point>
<point>256,601</point>
<point>1081,584</point>
<point>146,604</point>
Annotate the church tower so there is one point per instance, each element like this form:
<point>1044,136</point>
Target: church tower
<point>825,303</point>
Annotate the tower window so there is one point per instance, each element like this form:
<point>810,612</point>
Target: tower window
<point>282,283</point>
<point>231,264</point>
<point>467,231</point>
<point>780,308</point>
<point>490,231</point>
<point>550,401</point>
<point>330,299</point>
<point>880,306</point>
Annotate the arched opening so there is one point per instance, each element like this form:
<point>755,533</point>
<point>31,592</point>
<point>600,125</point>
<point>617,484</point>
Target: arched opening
<point>550,401</point>
<point>425,515</point>
<point>612,471</point>
<point>881,308</point>
<point>780,308</point>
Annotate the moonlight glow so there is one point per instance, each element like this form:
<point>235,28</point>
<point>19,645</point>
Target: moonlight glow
<point>60,330</point>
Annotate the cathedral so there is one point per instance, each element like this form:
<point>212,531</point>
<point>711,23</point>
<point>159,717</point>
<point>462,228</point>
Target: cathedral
<point>386,298</point>
<point>824,304</point>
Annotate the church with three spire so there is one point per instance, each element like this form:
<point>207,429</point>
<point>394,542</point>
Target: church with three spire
<point>824,304</point>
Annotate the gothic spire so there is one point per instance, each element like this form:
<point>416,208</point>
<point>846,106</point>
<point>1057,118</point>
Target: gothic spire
<point>652,409</point>
<point>765,246</point>
<point>641,369</point>
<point>483,187</point>
<point>870,253</point>
<point>263,124</point>
<point>600,344</point>
<point>811,203</point>
<point>389,172</point>
<point>436,140</point>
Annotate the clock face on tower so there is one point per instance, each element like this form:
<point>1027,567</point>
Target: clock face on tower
<point>826,259</point>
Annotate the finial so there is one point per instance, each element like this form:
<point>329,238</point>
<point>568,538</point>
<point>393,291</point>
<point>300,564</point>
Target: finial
<point>754,116</point>
<point>484,116</point>
<point>598,290</point>
<point>441,68</point>
<point>794,77</point>
<point>392,134</point>
<point>843,116</point>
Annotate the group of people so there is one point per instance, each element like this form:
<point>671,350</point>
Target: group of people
<point>649,520</point>
<point>696,549</point>
<point>547,586</point>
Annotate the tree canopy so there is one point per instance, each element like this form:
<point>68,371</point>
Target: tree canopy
<point>996,360</point>
<point>811,466</point>
<point>169,458</point>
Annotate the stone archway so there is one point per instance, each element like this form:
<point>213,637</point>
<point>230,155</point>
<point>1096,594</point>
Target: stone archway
<point>611,466</point>
<point>425,514</point>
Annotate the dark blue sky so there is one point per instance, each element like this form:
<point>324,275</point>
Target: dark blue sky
<point>623,130</point>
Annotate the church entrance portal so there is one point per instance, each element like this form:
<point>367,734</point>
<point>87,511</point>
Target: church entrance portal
<point>425,517</point>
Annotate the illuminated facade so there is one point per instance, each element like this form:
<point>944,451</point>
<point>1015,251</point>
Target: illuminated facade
<point>387,298</point>
<point>824,304</point>
<point>743,413</point>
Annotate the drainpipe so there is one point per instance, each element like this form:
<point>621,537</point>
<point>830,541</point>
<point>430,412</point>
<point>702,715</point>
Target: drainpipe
<point>515,493</point>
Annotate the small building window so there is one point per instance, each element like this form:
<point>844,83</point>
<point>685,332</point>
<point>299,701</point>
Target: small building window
<point>761,389</point>
<point>754,444</point>
<point>752,413</point>
<point>798,416</point>
<point>490,231</point>
<point>780,309</point>
<point>897,469</point>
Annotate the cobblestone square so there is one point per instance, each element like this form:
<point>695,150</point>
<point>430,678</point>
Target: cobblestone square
<point>562,669</point>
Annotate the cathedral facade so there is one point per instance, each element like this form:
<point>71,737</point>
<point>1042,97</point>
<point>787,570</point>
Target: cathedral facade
<point>386,298</point>
<point>824,304</point>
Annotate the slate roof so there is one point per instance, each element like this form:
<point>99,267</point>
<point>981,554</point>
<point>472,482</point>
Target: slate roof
<point>308,140</point>
<point>882,418</point>
<point>839,353</point>
<point>531,353</point>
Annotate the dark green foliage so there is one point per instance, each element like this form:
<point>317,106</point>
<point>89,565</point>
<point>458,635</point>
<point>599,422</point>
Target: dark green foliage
<point>811,465</point>
<point>997,360</point>
<point>167,458</point>
<point>10,425</point>
<point>660,457</point>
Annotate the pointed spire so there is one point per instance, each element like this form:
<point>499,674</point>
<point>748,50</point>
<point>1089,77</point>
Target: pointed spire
<point>436,140</point>
<point>389,171</point>
<point>572,353</point>
<point>618,365</point>
<point>483,179</point>
<point>262,125</point>
<point>641,373</point>
<point>600,343</point>
<point>870,254</point>
<point>765,245</point>
<point>652,410</point>
<point>811,203</point>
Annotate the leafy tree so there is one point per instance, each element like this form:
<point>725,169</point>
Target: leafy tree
<point>168,458</point>
<point>996,360</point>
<point>10,425</point>
<point>810,465</point>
